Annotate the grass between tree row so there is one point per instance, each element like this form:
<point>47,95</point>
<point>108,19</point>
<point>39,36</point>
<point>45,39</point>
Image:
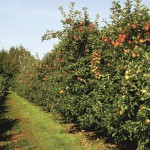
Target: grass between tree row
<point>26,126</point>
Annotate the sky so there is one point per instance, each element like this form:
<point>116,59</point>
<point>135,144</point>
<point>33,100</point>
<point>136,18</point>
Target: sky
<point>24,22</point>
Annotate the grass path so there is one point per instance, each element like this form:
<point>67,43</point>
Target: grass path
<point>24,126</point>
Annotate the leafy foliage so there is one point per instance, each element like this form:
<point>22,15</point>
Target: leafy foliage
<point>2,88</point>
<point>97,78</point>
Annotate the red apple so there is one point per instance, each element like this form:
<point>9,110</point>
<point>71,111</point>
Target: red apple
<point>122,40</point>
<point>113,42</point>
<point>86,50</point>
<point>146,28</point>
<point>126,50</point>
<point>123,67</point>
<point>147,33</point>
<point>106,40</point>
<point>141,40</point>
<point>81,23</point>
<point>148,24</point>
<point>133,26</point>
<point>91,26</point>
<point>129,42</point>
<point>133,55</point>
<point>68,20</point>
<point>117,43</point>
<point>81,29</point>
<point>75,37</point>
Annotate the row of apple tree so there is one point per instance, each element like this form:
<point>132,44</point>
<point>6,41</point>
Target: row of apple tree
<point>3,80</point>
<point>2,88</point>
<point>97,78</point>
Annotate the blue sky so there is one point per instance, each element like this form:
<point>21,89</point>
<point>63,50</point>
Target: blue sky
<point>23,22</point>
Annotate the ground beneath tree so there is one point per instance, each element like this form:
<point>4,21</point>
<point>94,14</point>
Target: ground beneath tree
<point>24,126</point>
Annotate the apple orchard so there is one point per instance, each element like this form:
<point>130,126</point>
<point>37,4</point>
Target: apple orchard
<point>97,78</point>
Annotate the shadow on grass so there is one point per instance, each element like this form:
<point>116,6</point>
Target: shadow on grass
<point>101,136</point>
<point>6,124</point>
<point>3,107</point>
<point>109,141</point>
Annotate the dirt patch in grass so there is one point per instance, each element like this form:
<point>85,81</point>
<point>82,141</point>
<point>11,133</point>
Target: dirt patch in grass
<point>87,138</point>
<point>19,136</point>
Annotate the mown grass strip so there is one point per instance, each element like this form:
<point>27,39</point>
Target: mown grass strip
<point>37,129</point>
<point>45,132</point>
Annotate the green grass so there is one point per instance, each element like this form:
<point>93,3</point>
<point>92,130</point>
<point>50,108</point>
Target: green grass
<point>35,129</point>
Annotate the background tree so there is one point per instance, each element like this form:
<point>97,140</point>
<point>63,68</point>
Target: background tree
<point>2,57</point>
